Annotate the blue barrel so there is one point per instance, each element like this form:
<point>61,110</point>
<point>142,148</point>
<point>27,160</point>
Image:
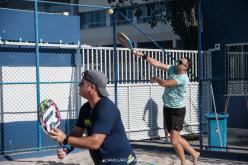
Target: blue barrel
<point>214,141</point>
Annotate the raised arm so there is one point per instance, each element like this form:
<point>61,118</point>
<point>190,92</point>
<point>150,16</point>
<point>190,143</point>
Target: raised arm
<point>150,60</point>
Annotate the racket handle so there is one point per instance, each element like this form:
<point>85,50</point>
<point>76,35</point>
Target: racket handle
<point>61,150</point>
<point>59,146</point>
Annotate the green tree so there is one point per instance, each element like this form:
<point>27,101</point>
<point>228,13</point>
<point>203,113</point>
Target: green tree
<point>180,13</point>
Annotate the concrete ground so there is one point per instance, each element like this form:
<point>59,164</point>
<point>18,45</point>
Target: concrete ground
<point>147,153</point>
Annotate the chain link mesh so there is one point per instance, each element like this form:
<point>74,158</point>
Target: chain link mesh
<point>225,45</point>
<point>76,37</point>
<point>156,33</point>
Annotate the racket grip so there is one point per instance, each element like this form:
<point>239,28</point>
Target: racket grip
<point>60,146</point>
<point>131,51</point>
<point>61,150</point>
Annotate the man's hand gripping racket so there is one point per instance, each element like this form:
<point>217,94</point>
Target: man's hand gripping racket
<point>49,117</point>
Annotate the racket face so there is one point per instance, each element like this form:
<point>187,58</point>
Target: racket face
<point>124,40</point>
<point>49,115</point>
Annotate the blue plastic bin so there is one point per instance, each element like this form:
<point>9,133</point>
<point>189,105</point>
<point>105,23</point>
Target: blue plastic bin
<point>214,142</point>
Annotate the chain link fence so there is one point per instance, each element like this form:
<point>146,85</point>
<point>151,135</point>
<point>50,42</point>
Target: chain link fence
<point>40,56</point>
<point>225,41</point>
<point>158,30</point>
<point>45,45</point>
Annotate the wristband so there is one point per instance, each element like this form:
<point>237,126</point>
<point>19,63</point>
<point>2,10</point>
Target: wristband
<point>144,56</point>
<point>69,148</point>
<point>65,142</point>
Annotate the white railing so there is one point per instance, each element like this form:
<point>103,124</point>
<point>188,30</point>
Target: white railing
<point>237,69</point>
<point>140,103</point>
<point>130,68</point>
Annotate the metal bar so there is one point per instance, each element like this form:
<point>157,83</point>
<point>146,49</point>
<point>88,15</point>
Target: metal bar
<point>71,4</point>
<point>96,55</point>
<point>126,66</point>
<point>101,62</point>
<point>37,58</point>
<point>115,56</point>
<point>200,68</point>
<point>130,68</point>
<point>33,44</point>
<point>50,82</point>
<point>105,61</point>
<point>109,65</point>
<point>88,60</point>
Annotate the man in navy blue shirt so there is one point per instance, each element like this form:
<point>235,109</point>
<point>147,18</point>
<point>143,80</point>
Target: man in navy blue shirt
<point>106,138</point>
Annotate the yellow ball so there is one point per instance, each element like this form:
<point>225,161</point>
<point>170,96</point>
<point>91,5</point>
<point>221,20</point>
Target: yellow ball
<point>110,11</point>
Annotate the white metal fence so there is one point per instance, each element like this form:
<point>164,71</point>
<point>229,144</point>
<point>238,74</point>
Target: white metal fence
<point>131,68</point>
<point>237,69</point>
<point>139,101</point>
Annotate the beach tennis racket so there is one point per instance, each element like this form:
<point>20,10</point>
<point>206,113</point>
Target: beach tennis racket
<point>49,116</point>
<point>124,41</point>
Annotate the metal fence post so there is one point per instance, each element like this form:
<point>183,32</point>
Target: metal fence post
<point>37,59</point>
<point>200,69</point>
<point>115,56</point>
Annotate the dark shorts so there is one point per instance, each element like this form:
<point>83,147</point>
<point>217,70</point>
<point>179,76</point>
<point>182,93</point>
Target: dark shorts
<point>174,118</point>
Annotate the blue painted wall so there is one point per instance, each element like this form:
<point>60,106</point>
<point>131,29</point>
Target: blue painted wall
<point>15,24</point>
<point>224,22</point>
<point>23,135</point>
<point>16,56</point>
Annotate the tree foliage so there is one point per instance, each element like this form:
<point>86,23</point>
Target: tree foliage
<point>180,13</point>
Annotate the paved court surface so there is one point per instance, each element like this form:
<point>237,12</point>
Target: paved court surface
<point>156,154</point>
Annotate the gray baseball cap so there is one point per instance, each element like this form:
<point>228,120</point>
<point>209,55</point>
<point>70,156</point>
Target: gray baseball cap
<point>98,78</point>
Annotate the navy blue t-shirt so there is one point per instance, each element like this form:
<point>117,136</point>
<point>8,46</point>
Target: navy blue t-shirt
<point>105,118</point>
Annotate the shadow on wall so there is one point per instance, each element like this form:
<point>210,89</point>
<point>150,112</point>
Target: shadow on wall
<point>151,121</point>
